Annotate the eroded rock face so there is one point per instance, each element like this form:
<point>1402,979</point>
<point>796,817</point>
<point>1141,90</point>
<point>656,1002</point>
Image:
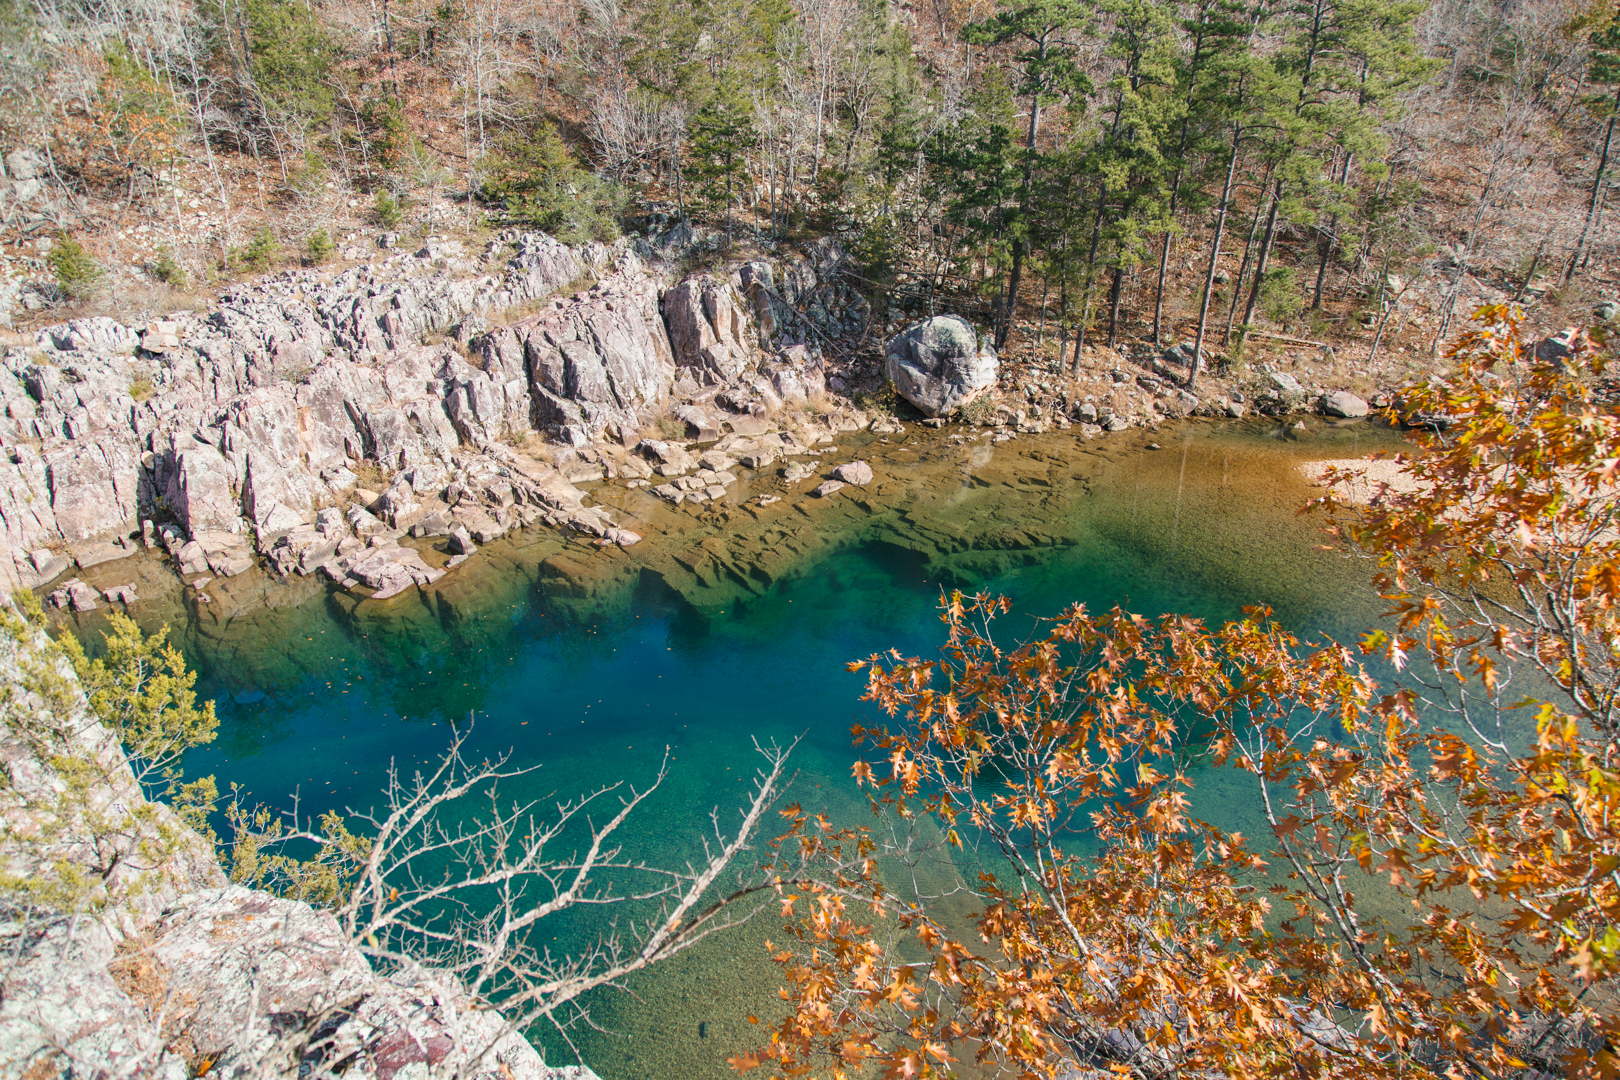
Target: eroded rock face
<point>941,364</point>
<point>709,328</point>
<point>252,418</point>
<point>164,963</point>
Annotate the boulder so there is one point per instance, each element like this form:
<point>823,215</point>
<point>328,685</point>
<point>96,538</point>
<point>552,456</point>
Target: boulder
<point>201,490</point>
<point>1557,350</point>
<point>390,569</point>
<point>161,336</point>
<point>941,364</point>
<point>858,473</point>
<point>94,487</point>
<point>120,594</point>
<point>302,550</point>
<point>1181,403</point>
<point>74,594</point>
<point>709,327</point>
<point>228,560</point>
<point>1285,383</point>
<point>95,554</point>
<point>1342,403</point>
<point>461,543</point>
<point>798,471</point>
<point>828,488</point>
<point>670,459</point>
<point>26,163</point>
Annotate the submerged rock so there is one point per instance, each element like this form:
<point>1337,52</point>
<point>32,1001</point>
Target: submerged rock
<point>941,364</point>
<point>858,473</point>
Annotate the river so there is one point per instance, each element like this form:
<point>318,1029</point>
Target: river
<point>591,668</point>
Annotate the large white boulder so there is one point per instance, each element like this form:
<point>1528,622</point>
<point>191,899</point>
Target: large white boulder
<point>941,364</point>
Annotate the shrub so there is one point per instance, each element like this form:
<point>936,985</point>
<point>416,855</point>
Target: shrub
<point>536,182</point>
<point>258,254</point>
<point>1280,298</point>
<point>981,411</point>
<point>164,267</point>
<point>319,248</point>
<point>77,274</point>
<point>387,210</point>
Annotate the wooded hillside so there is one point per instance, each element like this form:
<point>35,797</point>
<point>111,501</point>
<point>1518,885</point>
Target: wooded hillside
<point>1151,170</point>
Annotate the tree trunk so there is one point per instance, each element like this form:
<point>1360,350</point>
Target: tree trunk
<point>1248,250</point>
<point>1214,257</point>
<point>675,162</point>
<point>1330,238</point>
<point>1009,302</point>
<point>1009,310</point>
<point>1535,264</point>
<point>1260,263</point>
<point>1091,270</point>
<point>1115,292</point>
<point>1158,293</point>
<point>1597,190</point>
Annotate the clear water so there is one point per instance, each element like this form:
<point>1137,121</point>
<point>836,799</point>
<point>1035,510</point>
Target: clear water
<point>316,694</point>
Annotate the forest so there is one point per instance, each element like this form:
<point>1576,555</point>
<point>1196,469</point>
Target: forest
<point>1194,171</point>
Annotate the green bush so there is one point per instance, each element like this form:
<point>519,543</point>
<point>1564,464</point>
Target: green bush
<point>320,247</point>
<point>387,210</point>
<point>536,182</point>
<point>76,272</point>
<point>290,56</point>
<point>163,267</point>
<point>1280,299</point>
<point>259,253</point>
<point>981,411</point>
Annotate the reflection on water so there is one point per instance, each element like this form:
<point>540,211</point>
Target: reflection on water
<point>317,693</point>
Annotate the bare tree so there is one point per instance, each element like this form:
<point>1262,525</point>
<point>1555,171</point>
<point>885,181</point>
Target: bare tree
<point>421,884</point>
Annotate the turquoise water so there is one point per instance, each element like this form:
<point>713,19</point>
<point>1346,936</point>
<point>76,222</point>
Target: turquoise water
<point>320,697</point>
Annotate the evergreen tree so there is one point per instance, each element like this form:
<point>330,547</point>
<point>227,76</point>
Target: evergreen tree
<point>1237,90</point>
<point>1132,163</point>
<point>1341,65</point>
<point>720,138</point>
<point>1046,30</point>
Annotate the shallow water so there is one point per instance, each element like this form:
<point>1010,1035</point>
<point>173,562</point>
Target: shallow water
<point>318,694</point>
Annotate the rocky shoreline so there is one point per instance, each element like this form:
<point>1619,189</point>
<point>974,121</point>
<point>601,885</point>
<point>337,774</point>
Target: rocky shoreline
<point>375,426</point>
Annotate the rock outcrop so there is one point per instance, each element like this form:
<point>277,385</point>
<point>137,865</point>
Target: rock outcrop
<point>134,957</point>
<point>427,369</point>
<point>941,364</point>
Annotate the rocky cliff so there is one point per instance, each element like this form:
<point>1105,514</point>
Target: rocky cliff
<point>124,952</point>
<point>313,417</point>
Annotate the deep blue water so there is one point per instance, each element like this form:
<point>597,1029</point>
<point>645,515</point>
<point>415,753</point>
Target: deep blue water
<point>1203,526</point>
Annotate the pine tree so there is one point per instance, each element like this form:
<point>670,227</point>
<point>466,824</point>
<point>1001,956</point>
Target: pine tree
<point>1048,74</point>
<point>1217,28</point>
<point>721,137</point>
<point>1343,62</point>
<point>1134,163</point>
<point>1239,88</point>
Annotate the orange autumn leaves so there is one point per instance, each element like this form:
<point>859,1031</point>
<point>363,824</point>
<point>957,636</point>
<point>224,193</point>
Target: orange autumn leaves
<point>1437,887</point>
